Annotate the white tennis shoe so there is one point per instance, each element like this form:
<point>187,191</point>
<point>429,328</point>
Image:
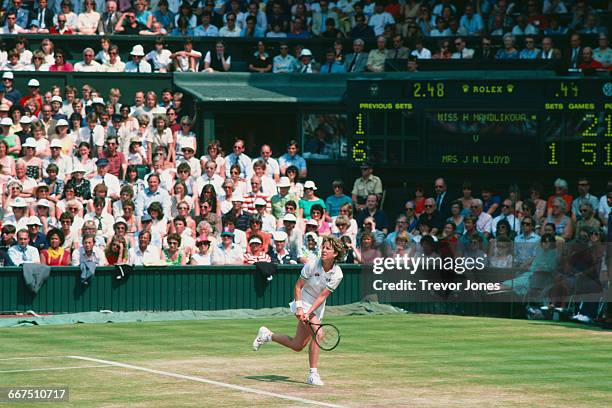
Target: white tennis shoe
<point>314,379</point>
<point>264,335</point>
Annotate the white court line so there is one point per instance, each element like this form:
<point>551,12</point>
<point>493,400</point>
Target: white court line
<point>52,368</point>
<point>206,381</point>
<point>30,358</point>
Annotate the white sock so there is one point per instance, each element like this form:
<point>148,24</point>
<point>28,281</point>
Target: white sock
<point>269,337</point>
<point>313,370</point>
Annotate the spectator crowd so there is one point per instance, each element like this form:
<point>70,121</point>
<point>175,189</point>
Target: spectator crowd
<point>459,29</point>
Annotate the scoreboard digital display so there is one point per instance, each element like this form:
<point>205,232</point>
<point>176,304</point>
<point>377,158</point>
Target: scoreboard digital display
<point>524,123</point>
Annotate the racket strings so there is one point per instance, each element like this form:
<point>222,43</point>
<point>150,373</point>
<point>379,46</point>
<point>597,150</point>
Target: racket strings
<point>328,337</point>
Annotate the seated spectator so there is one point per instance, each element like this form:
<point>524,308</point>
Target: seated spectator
<point>138,63</point>
<point>128,24</point>
<point>523,27</point>
<point>440,30</point>
<point>335,201</point>
<point>508,52</point>
<point>361,29</point>
<point>293,159</point>
<point>530,51</point>
<point>603,53</point>
<point>358,59</point>
<point>173,255</point>
<point>462,52</point>
<point>368,250</point>
<point>182,27</point>
<point>380,19</point>
<point>397,50</point>
<point>332,64</point>
<point>443,52</point>
<point>88,64</point>
<point>420,52</point>
<point>306,63</point>
<point>116,252</point>
<point>561,188</point>
<point>484,221</point>
<point>454,29</point>
<point>592,25</point>
<point>276,32</point>
<point>485,52</point>
<point>89,253</point>
<point>37,238</point>
<point>87,21</point>
<point>298,30</point>
<point>206,29</point>
<point>230,29</point>
<point>548,50</point>
<point>260,61</point>
<point>160,57</point>
<point>371,210</point>
<point>257,252</point>
<point>203,256</point>
<point>227,252</point>
<point>544,263</point>
<point>554,27</point>
<point>109,18</point>
<point>377,57</point>
<point>62,27</point>
<point>367,184</point>
<point>588,63</point>
<point>310,249</point>
<point>471,21</point>
<point>11,26</point>
<point>144,253</point>
<point>251,30</point>
<point>219,61</point>
<point>22,252</point>
<point>278,252</point>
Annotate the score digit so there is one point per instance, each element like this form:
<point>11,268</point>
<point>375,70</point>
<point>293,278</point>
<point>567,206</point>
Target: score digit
<point>359,153</point>
<point>591,150</point>
<point>552,147</point>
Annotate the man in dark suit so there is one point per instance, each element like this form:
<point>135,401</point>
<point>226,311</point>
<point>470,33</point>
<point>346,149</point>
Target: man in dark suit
<point>357,61</point>
<point>109,19</point>
<point>43,14</point>
<point>485,52</point>
<point>442,198</point>
<point>574,56</point>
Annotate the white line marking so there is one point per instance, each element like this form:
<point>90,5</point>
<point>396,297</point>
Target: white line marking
<point>206,381</point>
<point>30,358</point>
<point>53,368</point>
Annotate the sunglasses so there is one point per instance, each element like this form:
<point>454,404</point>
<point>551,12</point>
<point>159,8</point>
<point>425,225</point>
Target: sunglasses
<point>429,206</point>
<point>526,223</point>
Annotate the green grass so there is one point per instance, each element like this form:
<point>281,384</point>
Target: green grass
<point>400,360</point>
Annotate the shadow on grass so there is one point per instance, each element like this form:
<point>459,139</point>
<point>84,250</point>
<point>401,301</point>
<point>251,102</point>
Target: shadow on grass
<point>571,325</point>
<point>273,379</point>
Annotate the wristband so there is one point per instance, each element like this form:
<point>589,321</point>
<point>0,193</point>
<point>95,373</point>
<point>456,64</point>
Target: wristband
<point>298,304</point>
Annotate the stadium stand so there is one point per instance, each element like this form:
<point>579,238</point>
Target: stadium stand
<point>122,176</point>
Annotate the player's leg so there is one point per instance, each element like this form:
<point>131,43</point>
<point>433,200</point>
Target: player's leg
<point>297,342</point>
<point>313,355</point>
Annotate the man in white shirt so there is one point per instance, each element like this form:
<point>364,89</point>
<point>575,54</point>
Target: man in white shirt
<point>272,166</point>
<point>462,51</point>
<point>507,213</point>
<point>420,51</point>
<point>138,63</point>
<point>159,57</point>
<point>209,177</point>
<point>111,181</point>
<point>89,252</point>
<point>103,220</point>
<point>238,157</point>
<point>93,134</point>
<point>114,63</point>
<point>485,221</point>
<point>230,29</point>
<point>380,19</point>
<point>144,253</point>
<point>22,252</point>
<point>88,64</point>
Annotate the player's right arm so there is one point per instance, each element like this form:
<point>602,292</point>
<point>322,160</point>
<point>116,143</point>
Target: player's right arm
<point>297,295</point>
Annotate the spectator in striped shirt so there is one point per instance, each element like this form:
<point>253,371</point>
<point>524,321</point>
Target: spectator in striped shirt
<point>257,252</point>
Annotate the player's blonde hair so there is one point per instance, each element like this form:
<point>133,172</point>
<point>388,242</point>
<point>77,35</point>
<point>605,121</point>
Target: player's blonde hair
<point>337,246</point>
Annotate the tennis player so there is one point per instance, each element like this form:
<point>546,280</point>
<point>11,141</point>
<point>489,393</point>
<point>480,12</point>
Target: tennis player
<point>318,279</point>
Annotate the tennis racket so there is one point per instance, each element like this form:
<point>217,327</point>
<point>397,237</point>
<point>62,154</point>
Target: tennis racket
<point>327,336</point>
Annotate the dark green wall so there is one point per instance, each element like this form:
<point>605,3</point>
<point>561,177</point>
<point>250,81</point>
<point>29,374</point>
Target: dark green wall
<point>162,289</point>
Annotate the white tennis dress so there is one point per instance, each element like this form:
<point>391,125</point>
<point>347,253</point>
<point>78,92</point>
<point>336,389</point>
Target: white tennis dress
<point>317,280</point>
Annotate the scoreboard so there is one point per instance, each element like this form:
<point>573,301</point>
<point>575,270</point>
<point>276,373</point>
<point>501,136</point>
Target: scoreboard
<point>563,123</point>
